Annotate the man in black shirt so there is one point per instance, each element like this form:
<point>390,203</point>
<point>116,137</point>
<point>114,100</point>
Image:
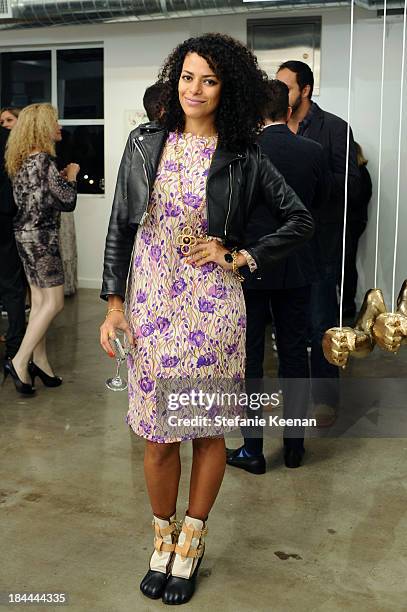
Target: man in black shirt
<point>287,286</point>
<point>12,284</point>
<point>309,120</point>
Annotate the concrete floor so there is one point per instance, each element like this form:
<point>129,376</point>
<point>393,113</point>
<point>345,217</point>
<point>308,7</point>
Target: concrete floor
<point>330,536</point>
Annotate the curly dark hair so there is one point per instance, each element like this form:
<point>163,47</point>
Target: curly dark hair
<point>239,115</point>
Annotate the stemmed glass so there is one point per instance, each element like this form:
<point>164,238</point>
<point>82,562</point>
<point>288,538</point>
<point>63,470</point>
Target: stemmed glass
<point>120,347</point>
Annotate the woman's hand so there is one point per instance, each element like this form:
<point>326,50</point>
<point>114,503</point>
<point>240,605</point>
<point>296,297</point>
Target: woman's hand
<point>70,172</point>
<point>207,251</point>
<point>114,320</point>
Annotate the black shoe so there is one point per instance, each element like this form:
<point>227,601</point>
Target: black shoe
<point>21,387</point>
<point>180,590</point>
<point>48,381</point>
<point>153,584</point>
<point>293,457</point>
<point>254,465</point>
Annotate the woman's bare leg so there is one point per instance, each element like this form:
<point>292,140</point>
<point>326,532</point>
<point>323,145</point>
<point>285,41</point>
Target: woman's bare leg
<point>46,304</point>
<point>208,468</point>
<point>40,357</point>
<point>162,469</point>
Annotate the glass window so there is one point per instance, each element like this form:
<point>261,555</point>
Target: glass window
<point>75,87</point>
<point>84,145</point>
<point>275,41</point>
<point>25,77</point>
<point>80,83</point>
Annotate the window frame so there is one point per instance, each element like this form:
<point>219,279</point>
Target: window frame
<point>53,48</point>
<point>314,20</point>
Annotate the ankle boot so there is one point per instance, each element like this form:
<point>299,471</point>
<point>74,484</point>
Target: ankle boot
<point>188,556</point>
<point>166,534</point>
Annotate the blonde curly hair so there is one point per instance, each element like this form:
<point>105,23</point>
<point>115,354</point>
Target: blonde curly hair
<point>34,130</point>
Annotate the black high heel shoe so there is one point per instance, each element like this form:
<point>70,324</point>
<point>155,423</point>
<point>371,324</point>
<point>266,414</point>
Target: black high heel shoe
<point>48,381</point>
<point>21,387</point>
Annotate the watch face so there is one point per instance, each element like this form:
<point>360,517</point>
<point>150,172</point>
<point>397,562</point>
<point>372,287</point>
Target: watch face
<point>228,258</point>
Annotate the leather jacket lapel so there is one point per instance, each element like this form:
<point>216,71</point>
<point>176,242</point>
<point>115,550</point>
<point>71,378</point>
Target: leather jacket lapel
<point>151,144</point>
<point>223,157</point>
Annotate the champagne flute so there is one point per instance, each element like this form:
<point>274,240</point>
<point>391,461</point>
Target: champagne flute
<point>120,348</point>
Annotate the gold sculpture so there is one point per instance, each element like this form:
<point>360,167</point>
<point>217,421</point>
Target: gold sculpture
<point>390,328</point>
<point>339,343</point>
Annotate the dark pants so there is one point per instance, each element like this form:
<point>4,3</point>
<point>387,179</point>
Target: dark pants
<point>290,309</point>
<point>12,286</point>
<point>354,230</point>
<point>323,315</point>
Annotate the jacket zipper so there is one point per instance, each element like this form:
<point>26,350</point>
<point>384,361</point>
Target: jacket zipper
<point>230,197</point>
<point>145,213</point>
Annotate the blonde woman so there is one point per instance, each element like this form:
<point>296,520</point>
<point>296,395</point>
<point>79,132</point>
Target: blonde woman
<point>40,193</point>
<point>9,116</point>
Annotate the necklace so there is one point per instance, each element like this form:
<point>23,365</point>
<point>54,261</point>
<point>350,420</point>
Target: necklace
<point>187,237</point>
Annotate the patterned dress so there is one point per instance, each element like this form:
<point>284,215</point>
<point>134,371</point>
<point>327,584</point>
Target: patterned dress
<point>40,193</point>
<point>69,252</point>
<point>188,322</point>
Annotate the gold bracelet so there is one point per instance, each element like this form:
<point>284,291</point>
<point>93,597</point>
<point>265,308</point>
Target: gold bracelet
<point>113,310</point>
<point>235,267</point>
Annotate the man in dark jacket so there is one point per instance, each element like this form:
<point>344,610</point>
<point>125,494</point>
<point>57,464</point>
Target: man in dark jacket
<point>309,120</point>
<point>12,284</point>
<point>286,286</point>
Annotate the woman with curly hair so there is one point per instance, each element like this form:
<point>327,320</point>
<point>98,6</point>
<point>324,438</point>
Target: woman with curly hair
<point>40,193</point>
<point>186,188</point>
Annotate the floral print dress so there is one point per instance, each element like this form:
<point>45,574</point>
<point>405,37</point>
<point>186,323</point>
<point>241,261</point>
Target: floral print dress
<point>40,194</point>
<point>187,322</point>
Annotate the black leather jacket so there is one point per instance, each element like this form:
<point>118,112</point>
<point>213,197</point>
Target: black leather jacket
<point>236,181</point>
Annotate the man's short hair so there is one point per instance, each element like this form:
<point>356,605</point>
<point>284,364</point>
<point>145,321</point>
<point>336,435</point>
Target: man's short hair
<point>276,105</point>
<point>152,101</point>
<point>303,72</point>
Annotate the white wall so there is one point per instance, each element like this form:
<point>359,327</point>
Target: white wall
<point>133,54</point>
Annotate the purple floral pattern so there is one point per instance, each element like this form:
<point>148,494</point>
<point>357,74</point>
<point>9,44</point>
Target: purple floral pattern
<point>218,291</point>
<point>163,324</point>
<point>155,253</point>
<point>169,362</point>
<point>178,287</point>
<point>141,296</point>
<point>206,360</point>
<point>197,338</point>
<point>187,322</point>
